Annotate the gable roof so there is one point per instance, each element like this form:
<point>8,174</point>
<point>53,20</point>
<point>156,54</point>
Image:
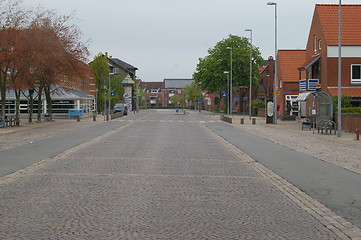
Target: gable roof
<point>351,23</point>
<point>123,64</point>
<point>176,82</point>
<point>151,85</point>
<point>288,62</point>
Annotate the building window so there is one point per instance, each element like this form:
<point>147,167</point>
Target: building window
<point>216,101</point>
<point>356,73</point>
<point>319,44</point>
<point>315,43</point>
<point>115,70</point>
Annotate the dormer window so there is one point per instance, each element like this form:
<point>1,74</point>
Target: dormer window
<point>115,70</point>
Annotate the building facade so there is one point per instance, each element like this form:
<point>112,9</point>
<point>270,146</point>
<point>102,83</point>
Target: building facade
<point>321,63</point>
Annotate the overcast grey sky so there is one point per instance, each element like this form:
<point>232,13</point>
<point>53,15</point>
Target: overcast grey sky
<point>165,38</point>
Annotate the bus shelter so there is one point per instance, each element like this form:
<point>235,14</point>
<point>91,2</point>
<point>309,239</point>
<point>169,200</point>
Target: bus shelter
<point>315,105</point>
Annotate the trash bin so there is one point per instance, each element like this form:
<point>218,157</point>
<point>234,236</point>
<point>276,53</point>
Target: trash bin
<point>47,117</point>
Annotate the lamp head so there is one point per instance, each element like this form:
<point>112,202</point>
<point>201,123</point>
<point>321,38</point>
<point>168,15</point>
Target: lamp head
<point>248,30</point>
<point>225,72</point>
<point>271,3</point>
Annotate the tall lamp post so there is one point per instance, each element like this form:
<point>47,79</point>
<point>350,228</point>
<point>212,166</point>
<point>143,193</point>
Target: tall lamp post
<point>339,69</point>
<point>250,75</point>
<point>108,112</point>
<point>275,77</point>
<point>226,72</point>
<point>231,85</point>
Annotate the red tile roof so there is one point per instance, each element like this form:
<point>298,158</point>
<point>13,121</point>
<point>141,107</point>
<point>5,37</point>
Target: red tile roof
<point>309,62</point>
<point>351,23</point>
<point>349,92</point>
<point>261,69</point>
<point>288,62</point>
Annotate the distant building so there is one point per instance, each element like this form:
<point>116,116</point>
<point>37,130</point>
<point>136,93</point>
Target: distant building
<point>158,94</point>
<point>127,73</point>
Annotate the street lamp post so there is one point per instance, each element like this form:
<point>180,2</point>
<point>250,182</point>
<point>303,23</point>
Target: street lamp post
<point>275,77</point>
<point>339,69</point>
<point>108,115</point>
<point>105,103</point>
<point>250,76</point>
<point>226,72</point>
<point>231,85</point>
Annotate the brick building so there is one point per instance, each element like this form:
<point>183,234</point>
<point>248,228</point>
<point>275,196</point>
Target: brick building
<point>158,94</point>
<point>321,63</point>
<point>288,76</point>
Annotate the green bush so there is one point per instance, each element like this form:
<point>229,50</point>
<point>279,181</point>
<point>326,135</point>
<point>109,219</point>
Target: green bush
<point>345,102</point>
<point>354,110</point>
<point>256,104</point>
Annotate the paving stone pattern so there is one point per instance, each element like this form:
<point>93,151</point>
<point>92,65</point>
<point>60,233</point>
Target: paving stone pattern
<point>165,177</point>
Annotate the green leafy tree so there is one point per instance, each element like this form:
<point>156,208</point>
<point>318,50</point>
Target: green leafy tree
<point>210,69</point>
<point>193,92</point>
<point>100,70</point>
<point>177,99</point>
<point>117,87</point>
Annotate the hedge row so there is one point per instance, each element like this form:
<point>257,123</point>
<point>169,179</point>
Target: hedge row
<point>354,110</point>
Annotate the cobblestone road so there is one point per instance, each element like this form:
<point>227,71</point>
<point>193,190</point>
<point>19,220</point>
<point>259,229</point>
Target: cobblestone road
<point>162,177</point>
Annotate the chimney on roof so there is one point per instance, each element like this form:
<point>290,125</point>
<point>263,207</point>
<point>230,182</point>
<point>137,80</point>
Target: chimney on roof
<point>106,54</point>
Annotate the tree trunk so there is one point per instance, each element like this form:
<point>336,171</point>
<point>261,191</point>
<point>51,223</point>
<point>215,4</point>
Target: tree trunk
<point>3,94</point>
<point>30,108</point>
<point>17,103</point>
<point>48,101</point>
<point>40,103</point>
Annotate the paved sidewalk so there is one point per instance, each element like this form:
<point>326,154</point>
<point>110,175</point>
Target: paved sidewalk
<point>344,152</point>
<point>32,132</point>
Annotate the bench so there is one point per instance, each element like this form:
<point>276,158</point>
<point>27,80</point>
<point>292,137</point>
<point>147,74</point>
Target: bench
<point>75,113</point>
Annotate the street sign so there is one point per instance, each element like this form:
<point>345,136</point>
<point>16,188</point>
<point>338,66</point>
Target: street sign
<point>224,94</point>
<point>202,99</point>
<point>236,99</point>
<point>245,98</point>
<point>112,94</point>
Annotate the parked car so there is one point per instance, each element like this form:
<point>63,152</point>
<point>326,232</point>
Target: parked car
<point>120,107</point>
